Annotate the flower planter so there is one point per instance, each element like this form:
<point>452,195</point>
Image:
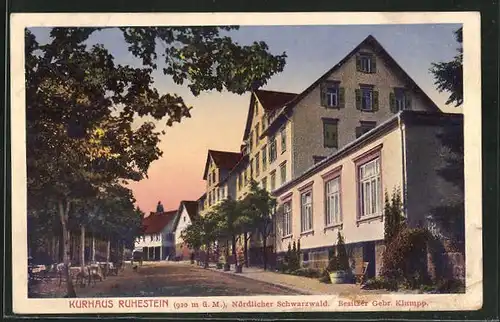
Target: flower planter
<point>219,265</point>
<point>239,269</point>
<point>338,277</point>
<point>227,267</point>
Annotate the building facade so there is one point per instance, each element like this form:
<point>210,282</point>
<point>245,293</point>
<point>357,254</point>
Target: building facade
<point>287,133</point>
<point>157,239</point>
<point>345,192</point>
<point>188,211</point>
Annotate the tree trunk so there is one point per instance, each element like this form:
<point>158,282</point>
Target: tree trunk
<point>207,255</point>
<point>108,253</point>
<point>63,215</point>
<point>53,251</point>
<point>233,242</point>
<point>245,248</point>
<point>82,247</point>
<point>264,244</point>
<point>93,247</point>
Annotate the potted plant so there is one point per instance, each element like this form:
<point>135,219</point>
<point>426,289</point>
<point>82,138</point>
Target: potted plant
<point>338,268</point>
<point>241,262</point>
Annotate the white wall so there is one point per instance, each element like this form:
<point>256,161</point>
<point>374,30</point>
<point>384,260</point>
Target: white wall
<point>184,222</point>
<point>352,229</point>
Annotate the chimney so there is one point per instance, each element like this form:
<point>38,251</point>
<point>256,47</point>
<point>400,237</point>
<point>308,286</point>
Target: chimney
<point>159,208</point>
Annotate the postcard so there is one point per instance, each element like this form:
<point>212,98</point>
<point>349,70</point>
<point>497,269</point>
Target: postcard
<point>257,162</point>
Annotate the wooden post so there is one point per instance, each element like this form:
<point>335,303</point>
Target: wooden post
<point>82,247</point>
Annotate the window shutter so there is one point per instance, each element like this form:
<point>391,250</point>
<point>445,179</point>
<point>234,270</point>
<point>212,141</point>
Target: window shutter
<point>375,101</point>
<point>358,63</point>
<point>334,135</point>
<point>408,101</point>
<point>392,102</point>
<point>373,64</point>
<point>341,97</point>
<point>358,99</point>
<point>323,94</point>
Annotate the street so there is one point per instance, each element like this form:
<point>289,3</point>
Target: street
<point>167,279</point>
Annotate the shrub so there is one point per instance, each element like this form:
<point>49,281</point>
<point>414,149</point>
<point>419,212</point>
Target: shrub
<point>307,272</point>
<point>451,286</point>
<point>378,283</point>
<point>404,259</point>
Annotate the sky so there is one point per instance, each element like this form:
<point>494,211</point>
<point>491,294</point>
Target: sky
<point>218,119</point>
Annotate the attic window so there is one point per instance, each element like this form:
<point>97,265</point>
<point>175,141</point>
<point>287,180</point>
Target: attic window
<point>366,63</point>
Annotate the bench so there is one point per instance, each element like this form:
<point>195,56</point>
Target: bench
<point>360,273</point>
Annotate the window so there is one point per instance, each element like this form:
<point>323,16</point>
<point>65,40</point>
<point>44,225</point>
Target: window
<point>364,127</point>
<point>399,100</point>
<point>283,139</point>
<point>273,180</point>
<point>283,173</point>
<point>287,219</point>
<point>366,98</point>
<point>184,218</point>
<point>264,183</point>
<point>306,211</point>
<point>256,107</point>
<point>257,134</point>
<point>250,143</point>
<point>332,95</point>
<point>332,198</point>
<point>330,133</point>
<point>272,150</point>
<point>257,164</point>
<point>240,181</point>
<point>263,123</point>
<point>318,158</point>
<point>264,158</point>
<point>370,193</point>
<point>366,63</point>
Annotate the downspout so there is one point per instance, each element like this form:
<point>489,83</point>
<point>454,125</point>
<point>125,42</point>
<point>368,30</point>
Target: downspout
<point>403,165</point>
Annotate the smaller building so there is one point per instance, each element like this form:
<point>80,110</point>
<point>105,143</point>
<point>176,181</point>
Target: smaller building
<point>415,153</point>
<point>157,239</point>
<point>188,210</point>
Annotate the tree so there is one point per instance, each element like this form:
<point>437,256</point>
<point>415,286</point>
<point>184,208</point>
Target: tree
<point>448,76</point>
<point>230,225</point>
<point>393,217</point>
<point>259,205</point>
<point>84,112</point>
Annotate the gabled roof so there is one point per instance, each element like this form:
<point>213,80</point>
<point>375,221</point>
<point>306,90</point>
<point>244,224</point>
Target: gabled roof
<point>191,208</point>
<point>223,160</point>
<point>155,222</point>
<point>377,47</point>
<point>270,101</point>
